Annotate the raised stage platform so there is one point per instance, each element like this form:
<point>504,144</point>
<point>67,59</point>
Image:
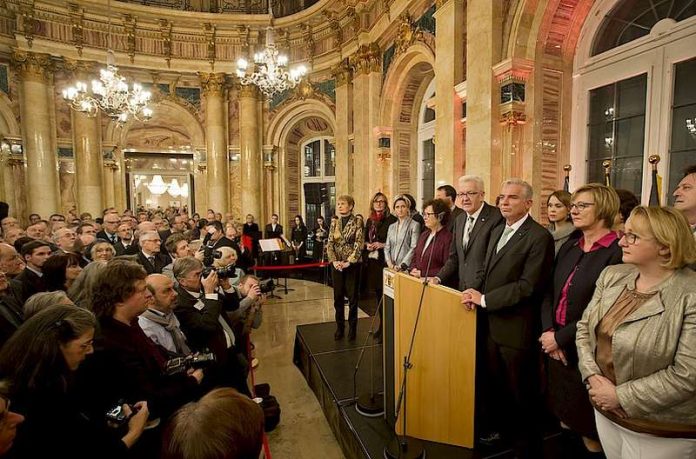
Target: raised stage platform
<point>328,366</point>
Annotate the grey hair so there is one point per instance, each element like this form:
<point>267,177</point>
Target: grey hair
<point>183,266</point>
<point>225,252</point>
<point>528,190</point>
<point>472,178</point>
<point>42,300</point>
<point>147,235</point>
<point>83,286</point>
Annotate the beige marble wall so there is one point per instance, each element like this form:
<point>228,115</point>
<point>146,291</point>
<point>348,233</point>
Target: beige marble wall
<point>250,151</point>
<point>216,141</point>
<point>88,162</point>
<point>344,115</point>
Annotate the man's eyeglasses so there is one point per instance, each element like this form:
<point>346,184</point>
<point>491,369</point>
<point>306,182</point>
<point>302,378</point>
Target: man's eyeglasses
<point>470,194</point>
<point>581,205</point>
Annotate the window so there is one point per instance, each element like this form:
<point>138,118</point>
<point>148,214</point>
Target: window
<point>426,148</point>
<point>318,181</point>
<point>682,152</point>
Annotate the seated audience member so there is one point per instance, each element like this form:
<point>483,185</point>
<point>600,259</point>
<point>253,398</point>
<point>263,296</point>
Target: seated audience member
<point>87,233</point>
<point>30,281</point>
<point>402,236</point>
<point>579,262</point>
<point>12,234</point>
<point>636,341</point>
<point>218,239</point>
<point>42,300</point>
<point>177,245</point>
<point>10,420</point>
<point>126,363</point>
<point>432,250</point>
<point>7,223</point>
<point>149,255</point>
<point>60,271</point>
<point>11,316</point>
<point>628,201</point>
<point>222,424</point>
<point>39,362</point>
<point>109,230</point>
<point>65,239</point>
<point>201,309</point>
<point>19,243</point>
<point>33,218</point>
<point>126,244</point>
<point>558,212</point>
<point>36,231</point>
<point>159,322</point>
<point>10,261</point>
<point>685,197</point>
<point>229,258</point>
<point>100,250</point>
<point>82,289</point>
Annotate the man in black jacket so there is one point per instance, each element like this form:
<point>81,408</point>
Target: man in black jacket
<point>29,281</point>
<point>126,245</point>
<point>109,230</point>
<point>218,239</point>
<point>202,311</point>
<point>518,264</point>
<point>149,255</point>
<point>274,229</point>
<point>11,314</point>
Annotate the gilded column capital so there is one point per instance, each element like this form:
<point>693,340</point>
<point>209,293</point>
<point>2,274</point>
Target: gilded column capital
<point>249,90</point>
<point>407,33</point>
<point>80,69</point>
<point>342,73</point>
<point>367,59</point>
<point>32,66</point>
<point>212,83</point>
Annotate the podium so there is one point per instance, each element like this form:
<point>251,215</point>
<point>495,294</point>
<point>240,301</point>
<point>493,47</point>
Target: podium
<point>441,384</point>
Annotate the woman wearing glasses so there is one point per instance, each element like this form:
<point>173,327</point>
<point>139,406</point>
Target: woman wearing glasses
<point>637,340</point>
<point>40,361</point>
<point>433,246</point>
<point>579,262</point>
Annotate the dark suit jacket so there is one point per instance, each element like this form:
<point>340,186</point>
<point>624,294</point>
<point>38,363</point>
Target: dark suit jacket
<point>102,235</point>
<point>251,230</point>
<point>160,262</point>
<point>456,212</point>
<point>514,285</point>
<point>132,248</point>
<point>589,267</point>
<point>439,247</point>
<point>11,317</point>
<point>25,284</point>
<point>270,234</point>
<point>470,262</point>
<point>380,232</point>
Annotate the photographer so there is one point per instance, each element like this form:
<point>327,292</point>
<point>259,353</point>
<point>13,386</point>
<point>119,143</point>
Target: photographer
<point>200,309</point>
<point>39,362</point>
<point>228,260</point>
<point>249,313</point>
<point>216,239</point>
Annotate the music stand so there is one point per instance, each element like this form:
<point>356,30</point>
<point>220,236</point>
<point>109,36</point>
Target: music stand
<point>273,247</point>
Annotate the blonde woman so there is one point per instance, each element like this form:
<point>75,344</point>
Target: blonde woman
<point>636,341</point>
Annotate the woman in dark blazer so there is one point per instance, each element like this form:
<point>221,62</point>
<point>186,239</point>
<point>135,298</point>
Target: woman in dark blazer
<point>434,242</point>
<point>580,261</point>
<point>376,229</point>
<point>298,239</point>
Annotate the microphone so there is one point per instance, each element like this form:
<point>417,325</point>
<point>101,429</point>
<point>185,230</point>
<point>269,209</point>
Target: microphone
<point>403,267</point>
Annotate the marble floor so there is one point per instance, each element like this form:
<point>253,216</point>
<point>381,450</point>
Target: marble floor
<point>303,432</point>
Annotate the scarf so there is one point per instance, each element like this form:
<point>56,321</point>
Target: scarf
<point>169,323</point>
<point>376,220</point>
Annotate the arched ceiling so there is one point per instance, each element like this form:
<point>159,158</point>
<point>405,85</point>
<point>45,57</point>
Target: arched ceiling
<point>281,8</point>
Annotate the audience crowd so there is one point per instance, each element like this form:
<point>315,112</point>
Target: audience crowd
<point>127,334</point>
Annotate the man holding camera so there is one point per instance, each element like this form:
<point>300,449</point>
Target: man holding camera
<point>249,295</point>
<point>218,239</point>
<point>201,308</point>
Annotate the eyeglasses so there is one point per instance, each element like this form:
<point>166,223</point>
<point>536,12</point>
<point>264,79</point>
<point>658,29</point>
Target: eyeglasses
<point>581,205</point>
<point>429,214</point>
<point>380,201</point>
<point>471,194</point>
<point>631,238</point>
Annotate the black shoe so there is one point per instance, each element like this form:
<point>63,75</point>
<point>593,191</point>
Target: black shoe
<point>351,334</point>
<point>491,439</point>
<point>340,332</point>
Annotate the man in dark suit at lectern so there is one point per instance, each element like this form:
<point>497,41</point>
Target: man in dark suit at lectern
<point>274,229</point>
<point>518,263</point>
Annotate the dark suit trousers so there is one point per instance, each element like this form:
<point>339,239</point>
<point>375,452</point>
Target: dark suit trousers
<point>345,284</point>
<point>512,397</point>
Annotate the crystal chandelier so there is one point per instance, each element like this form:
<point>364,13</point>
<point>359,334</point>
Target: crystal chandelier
<point>270,72</point>
<point>111,93</point>
<point>157,185</point>
<point>691,126</point>
<point>174,189</point>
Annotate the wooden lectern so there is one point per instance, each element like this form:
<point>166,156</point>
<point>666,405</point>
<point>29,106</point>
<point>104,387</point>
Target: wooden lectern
<point>441,383</point>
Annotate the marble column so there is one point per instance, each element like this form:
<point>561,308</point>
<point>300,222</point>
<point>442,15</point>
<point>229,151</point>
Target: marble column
<point>367,174</point>
<point>269,167</point>
<point>88,156</point>
<point>109,191</point>
<point>250,151</point>
<point>483,148</point>
<point>38,129</point>
<point>449,72</point>
<point>213,85</point>
<point>344,115</point>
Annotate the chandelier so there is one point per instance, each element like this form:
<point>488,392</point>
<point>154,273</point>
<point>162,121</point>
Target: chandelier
<point>157,185</point>
<point>111,93</point>
<point>174,189</point>
<point>270,72</point>
<point>691,126</point>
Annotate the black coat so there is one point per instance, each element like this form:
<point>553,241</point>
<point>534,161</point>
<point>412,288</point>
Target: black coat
<point>589,267</point>
<point>161,261</point>
<point>470,262</point>
<point>268,232</point>
<point>454,214</point>
<point>25,284</point>
<point>132,248</point>
<point>380,232</point>
<point>11,317</point>
<point>102,235</point>
<point>515,281</point>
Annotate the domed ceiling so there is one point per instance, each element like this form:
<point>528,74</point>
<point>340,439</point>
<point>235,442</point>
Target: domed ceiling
<point>281,8</point>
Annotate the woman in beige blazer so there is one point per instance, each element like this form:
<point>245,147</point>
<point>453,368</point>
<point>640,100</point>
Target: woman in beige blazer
<point>637,341</point>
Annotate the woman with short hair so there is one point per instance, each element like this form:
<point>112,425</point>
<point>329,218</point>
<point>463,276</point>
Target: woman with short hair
<point>101,250</point>
<point>228,259</point>
<point>433,246</point>
<point>636,341</point>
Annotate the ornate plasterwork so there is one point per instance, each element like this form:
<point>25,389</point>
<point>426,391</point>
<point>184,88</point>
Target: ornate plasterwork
<point>407,33</point>
<point>129,22</point>
<point>166,32</point>
<point>367,59</point>
<point>212,83</point>
<point>76,21</point>
<point>32,65</point>
<point>209,30</point>
<point>342,73</point>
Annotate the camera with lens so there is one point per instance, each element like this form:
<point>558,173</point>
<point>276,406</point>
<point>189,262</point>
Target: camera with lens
<point>210,255</point>
<point>266,286</point>
<point>117,415</point>
<point>228,272</point>
<point>182,364</point>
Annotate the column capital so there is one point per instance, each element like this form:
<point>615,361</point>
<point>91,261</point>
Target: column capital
<point>342,73</point>
<point>212,83</point>
<point>367,59</point>
<point>249,90</point>
<point>514,69</point>
<point>80,68</point>
<point>32,66</point>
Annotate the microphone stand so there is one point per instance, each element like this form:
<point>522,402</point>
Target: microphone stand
<point>403,446</point>
<point>372,404</point>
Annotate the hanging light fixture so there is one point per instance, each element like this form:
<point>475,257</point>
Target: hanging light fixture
<point>691,126</point>
<point>185,190</point>
<point>174,188</point>
<point>111,93</point>
<point>270,72</point>
<point>157,185</point>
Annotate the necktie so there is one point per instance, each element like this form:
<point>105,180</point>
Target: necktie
<point>504,238</point>
<point>467,231</point>
<point>151,260</point>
